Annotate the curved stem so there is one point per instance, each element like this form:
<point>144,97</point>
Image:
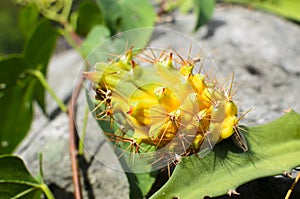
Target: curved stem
<point>288,194</point>
<point>71,36</point>
<point>73,147</point>
<point>67,8</point>
<point>39,75</point>
<point>47,191</point>
<point>83,131</point>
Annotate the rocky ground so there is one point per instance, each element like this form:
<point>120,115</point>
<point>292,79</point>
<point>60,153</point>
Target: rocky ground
<point>261,49</point>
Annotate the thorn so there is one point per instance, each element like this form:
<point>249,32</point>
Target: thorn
<point>129,52</point>
<point>196,60</point>
<point>229,92</point>
<point>233,192</point>
<point>288,194</point>
<point>244,114</point>
<point>287,174</point>
<point>170,61</point>
<point>132,64</point>
<point>180,57</point>
<point>189,52</point>
<point>130,110</point>
<point>287,110</point>
<point>177,158</point>
<point>128,55</point>
<point>92,76</point>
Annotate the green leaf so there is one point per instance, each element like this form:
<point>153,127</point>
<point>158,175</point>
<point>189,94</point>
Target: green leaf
<point>95,37</point>
<point>127,14</point>
<point>286,8</point>
<point>137,14</point>
<point>38,52</point>
<point>140,184</point>
<point>89,15</point>
<point>186,5</point>
<point>273,148</point>
<point>18,90</point>
<point>28,17</point>
<point>10,38</point>
<point>16,181</point>
<point>111,11</point>
<point>108,48</point>
<point>121,16</point>
<point>204,10</point>
<point>15,103</point>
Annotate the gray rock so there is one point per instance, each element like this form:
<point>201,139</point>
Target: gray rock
<point>261,49</point>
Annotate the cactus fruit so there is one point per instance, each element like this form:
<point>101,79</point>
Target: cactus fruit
<point>160,104</point>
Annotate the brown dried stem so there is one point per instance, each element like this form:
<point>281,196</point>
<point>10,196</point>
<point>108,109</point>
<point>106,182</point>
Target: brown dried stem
<point>73,146</point>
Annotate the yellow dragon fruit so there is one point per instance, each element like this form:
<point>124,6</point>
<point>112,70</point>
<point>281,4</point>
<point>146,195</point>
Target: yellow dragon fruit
<point>153,105</point>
